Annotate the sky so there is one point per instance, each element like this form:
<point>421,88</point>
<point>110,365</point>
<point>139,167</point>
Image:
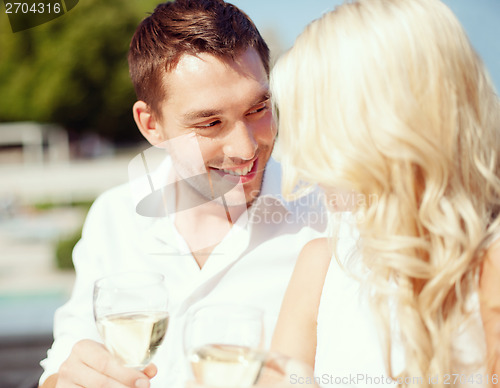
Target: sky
<point>481,19</point>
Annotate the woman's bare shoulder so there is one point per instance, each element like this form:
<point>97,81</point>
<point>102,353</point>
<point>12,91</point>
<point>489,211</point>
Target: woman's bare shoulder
<point>317,252</point>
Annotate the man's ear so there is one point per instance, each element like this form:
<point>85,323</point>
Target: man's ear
<point>147,123</point>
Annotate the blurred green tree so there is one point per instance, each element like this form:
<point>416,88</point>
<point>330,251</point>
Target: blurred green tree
<point>73,70</point>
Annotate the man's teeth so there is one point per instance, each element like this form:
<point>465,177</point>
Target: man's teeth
<point>239,172</point>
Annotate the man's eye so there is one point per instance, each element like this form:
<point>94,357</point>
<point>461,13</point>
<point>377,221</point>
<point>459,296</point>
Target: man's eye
<point>258,109</point>
<point>208,125</point>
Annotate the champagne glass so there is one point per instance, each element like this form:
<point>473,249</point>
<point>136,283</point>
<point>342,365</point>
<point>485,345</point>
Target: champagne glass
<point>280,371</point>
<point>224,345</point>
<point>277,371</point>
<point>130,310</point>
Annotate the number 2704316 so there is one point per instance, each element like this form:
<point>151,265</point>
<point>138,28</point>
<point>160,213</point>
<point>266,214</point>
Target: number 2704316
<point>25,8</point>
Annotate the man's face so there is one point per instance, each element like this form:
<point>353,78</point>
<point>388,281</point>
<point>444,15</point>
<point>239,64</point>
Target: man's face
<point>222,107</point>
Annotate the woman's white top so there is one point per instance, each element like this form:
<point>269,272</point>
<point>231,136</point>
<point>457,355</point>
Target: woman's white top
<point>349,351</point>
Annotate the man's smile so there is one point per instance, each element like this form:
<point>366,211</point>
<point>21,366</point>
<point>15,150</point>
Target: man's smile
<point>246,172</point>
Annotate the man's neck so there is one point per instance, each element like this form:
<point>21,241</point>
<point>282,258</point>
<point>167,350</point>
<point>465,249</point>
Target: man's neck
<point>204,226</point>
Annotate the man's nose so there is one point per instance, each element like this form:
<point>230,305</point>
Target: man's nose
<point>240,142</point>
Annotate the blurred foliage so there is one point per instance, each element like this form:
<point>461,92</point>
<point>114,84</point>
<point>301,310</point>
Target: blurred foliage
<point>73,70</point>
<point>64,250</point>
<point>54,205</point>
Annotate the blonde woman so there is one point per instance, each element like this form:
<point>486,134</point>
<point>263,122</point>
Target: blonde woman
<point>385,104</point>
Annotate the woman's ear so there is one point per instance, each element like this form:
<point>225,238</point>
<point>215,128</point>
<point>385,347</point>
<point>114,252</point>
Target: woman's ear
<point>146,122</point>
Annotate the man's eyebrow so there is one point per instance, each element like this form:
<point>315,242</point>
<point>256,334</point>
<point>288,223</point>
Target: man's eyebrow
<point>263,97</point>
<point>201,114</point>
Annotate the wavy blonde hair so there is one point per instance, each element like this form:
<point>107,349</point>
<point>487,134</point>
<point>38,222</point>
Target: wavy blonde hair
<point>388,98</point>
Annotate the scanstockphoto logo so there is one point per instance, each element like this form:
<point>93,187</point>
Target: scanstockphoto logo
<point>24,15</point>
<point>368,380</point>
<point>354,379</point>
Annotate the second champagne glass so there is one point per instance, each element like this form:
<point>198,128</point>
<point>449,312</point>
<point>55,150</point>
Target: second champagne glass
<point>224,345</point>
<point>130,310</point>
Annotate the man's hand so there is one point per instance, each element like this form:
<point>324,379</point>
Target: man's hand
<point>90,365</point>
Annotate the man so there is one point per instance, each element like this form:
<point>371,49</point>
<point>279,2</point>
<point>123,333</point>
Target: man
<point>212,222</point>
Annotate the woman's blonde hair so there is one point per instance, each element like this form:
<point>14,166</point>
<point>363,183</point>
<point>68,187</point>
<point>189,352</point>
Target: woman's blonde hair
<point>388,98</point>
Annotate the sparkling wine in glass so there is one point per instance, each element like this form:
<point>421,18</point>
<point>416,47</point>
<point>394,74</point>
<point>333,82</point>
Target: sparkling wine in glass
<point>224,345</point>
<point>280,371</point>
<point>130,311</point>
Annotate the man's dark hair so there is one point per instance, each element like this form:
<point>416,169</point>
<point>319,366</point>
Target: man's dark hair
<point>187,27</point>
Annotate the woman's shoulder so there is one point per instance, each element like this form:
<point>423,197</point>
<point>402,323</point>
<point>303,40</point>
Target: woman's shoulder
<point>310,272</point>
<point>320,248</point>
<point>315,257</point>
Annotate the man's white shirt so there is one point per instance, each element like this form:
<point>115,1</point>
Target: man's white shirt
<point>251,266</point>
